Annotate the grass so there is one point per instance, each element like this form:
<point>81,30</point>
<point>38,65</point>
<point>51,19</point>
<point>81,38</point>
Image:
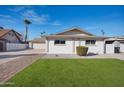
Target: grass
<point>71,72</point>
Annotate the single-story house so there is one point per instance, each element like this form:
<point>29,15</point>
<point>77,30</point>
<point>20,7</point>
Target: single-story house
<point>66,42</point>
<point>10,40</point>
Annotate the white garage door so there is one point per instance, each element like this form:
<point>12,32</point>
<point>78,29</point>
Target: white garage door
<point>38,46</point>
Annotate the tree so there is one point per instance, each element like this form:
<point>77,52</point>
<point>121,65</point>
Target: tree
<point>27,22</point>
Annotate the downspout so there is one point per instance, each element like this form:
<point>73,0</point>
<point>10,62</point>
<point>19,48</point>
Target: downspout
<point>104,47</point>
<point>79,42</point>
<point>73,45</point>
<point>47,44</point>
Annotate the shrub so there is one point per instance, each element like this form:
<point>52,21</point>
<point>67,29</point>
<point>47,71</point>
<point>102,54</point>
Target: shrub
<point>81,50</point>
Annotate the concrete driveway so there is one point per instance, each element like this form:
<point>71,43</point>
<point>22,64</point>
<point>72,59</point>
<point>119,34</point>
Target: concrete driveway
<point>12,55</point>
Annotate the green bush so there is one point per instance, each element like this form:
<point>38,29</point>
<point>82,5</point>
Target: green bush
<point>81,50</point>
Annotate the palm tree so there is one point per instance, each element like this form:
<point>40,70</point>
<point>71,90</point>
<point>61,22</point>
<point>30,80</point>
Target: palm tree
<point>42,34</point>
<point>27,22</point>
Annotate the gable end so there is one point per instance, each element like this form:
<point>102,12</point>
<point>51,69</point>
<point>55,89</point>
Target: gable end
<point>75,31</point>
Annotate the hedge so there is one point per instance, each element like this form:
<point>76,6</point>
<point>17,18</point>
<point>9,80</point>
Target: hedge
<point>81,50</point>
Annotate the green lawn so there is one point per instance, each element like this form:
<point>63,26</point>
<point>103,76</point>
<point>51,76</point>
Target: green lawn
<point>71,72</point>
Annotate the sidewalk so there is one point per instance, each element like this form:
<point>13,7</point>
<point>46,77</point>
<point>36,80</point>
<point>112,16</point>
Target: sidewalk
<point>12,55</point>
<point>101,56</point>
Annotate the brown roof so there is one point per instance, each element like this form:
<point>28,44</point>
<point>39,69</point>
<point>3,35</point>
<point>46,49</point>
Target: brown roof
<point>3,32</point>
<point>76,36</point>
<point>38,40</point>
<point>75,29</point>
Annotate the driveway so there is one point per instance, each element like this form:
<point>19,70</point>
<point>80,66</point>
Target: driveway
<point>12,55</point>
<point>15,61</point>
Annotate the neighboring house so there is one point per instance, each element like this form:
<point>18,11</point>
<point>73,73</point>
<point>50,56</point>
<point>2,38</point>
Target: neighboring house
<point>10,40</point>
<point>66,42</point>
<point>38,43</point>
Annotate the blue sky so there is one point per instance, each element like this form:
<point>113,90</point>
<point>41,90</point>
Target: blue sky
<point>52,19</point>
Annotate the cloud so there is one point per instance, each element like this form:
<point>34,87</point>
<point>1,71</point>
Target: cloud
<point>56,23</point>
<point>5,16</point>
<point>19,8</point>
<point>34,17</point>
<point>7,21</point>
<point>28,12</point>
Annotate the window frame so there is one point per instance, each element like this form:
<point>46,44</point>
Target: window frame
<point>90,42</point>
<point>60,42</point>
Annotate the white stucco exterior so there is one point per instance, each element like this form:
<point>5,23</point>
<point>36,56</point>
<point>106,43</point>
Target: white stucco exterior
<point>66,49</point>
<point>98,48</point>
<point>70,47</point>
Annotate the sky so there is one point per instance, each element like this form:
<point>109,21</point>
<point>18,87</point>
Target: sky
<point>53,19</point>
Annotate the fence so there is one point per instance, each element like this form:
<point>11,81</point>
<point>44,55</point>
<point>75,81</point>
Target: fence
<point>110,48</point>
<point>13,46</point>
<point>122,47</point>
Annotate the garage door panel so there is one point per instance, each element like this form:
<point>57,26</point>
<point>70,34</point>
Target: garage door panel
<point>39,46</point>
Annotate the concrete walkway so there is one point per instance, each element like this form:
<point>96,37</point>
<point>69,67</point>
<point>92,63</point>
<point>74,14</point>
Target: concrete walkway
<point>117,56</point>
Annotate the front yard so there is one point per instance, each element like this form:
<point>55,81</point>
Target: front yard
<point>71,72</point>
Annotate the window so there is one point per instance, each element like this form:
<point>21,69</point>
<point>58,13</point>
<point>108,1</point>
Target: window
<point>90,42</point>
<point>59,41</point>
<point>109,42</point>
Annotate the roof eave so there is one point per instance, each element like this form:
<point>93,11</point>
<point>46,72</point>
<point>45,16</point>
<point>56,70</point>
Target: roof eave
<point>75,37</point>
